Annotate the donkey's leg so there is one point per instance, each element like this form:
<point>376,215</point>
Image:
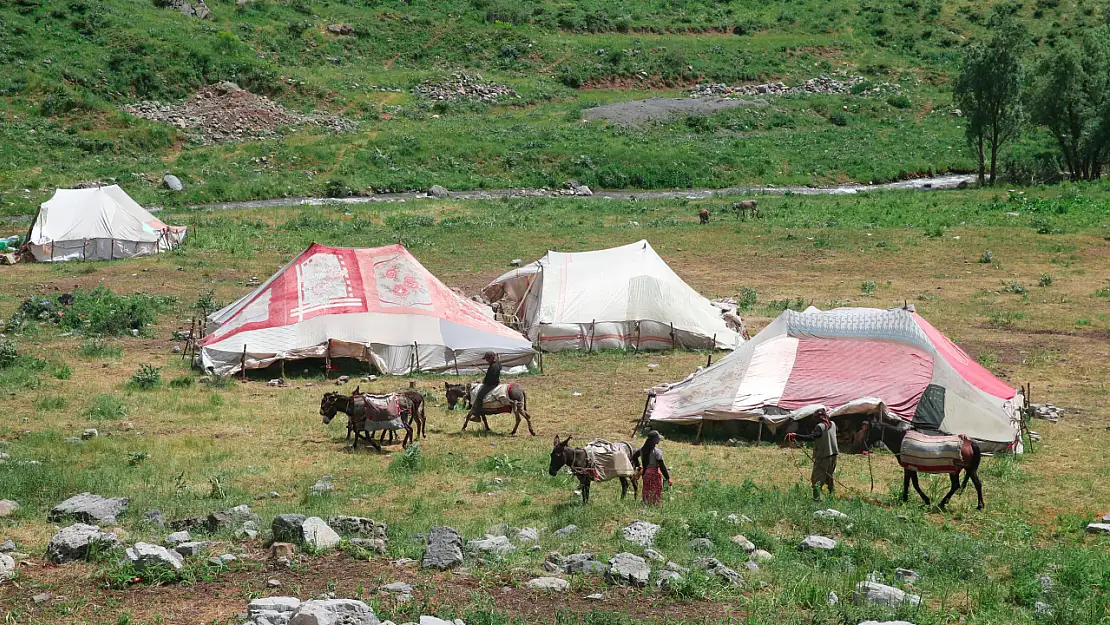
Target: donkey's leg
<point>905,485</point>
<point>624,486</point>
<point>585,481</point>
<point>955,479</point>
<point>466,421</point>
<point>408,436</point>
<point>917,487</point>
<point>485,422</point>
<point>974,474</point>
<point>516,424</point>
<point>528,419</point>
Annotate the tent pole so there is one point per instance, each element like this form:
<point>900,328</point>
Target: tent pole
<point>712,344</point>
<point>591,348</point>
<point>455,357</point>
<point>113,249</point>
<point>282,368</point>
<point>243,363</point>
<point>540,350</point>
<point>672,337</point>
<point>327,361</point>
<point>697,441</point>
<point>644,414</point>
<point>416,354</point>
<point>759,436</point>
<point>637,350</point>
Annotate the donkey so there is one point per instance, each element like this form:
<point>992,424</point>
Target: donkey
<point>518,404</point>
<point>563,455</point>
<point>894,437</point>
<point>365,415</point>
<point>418,418</point>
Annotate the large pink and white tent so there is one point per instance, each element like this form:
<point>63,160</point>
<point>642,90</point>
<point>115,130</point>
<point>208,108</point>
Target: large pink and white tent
<point>378,305</point>
<point>850,360</point>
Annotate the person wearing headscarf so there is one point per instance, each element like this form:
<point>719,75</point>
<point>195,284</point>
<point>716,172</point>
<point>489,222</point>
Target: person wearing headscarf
<point>649,459</point>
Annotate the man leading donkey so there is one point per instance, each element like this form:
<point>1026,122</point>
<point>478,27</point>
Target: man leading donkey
<point>825,452</point>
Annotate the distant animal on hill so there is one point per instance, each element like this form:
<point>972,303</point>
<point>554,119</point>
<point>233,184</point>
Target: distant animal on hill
<point>917,452</point>
<point>419,421</point>
<point>370,413</point>
<point>703,215</point>
<point>505,398</point>
<point>615,460</point>
<point>746,208</point>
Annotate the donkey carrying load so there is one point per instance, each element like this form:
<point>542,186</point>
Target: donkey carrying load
<point>504,398</point>
<point>599,461</point>
<point>419,420</point>
<point>919,452</point>
<point>367,414</point>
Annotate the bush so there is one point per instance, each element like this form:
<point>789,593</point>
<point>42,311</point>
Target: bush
<point>868,288</point>
<point>147,377</point>
<point>105,406</point>
<point>98,312</point>
<point>184,381</point>
<point>986,258</point>
<point>9,354</point>
<point>63,372</point>
<point>838,119</point>
<point>1015,287</point>
<point>747,299</point>
<point>99,348</point>
<point>898,101</point>
<point>1046,280</point>
<point>409,461</point>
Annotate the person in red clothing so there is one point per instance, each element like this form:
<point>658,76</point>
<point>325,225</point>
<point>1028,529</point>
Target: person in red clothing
<point>649,459</point>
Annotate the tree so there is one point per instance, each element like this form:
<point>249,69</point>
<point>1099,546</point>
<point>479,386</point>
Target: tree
<point>1070,99</point>
<point>988,90</point>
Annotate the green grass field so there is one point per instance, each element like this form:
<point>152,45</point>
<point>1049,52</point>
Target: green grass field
<point>187,448</point>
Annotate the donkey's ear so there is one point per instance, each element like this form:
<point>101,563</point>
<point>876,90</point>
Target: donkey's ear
<point>556,440</point>
<point>357,389</point>
<point>446,386</point>
<point>567,440</point>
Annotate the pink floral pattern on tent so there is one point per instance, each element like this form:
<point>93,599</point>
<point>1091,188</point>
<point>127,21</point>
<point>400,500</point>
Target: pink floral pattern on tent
<point>401,284</point>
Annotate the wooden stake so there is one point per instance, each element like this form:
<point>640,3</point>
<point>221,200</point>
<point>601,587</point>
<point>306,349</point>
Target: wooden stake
<point>591,349</point>
<point>759,436</point>
<point>243,363</point>
<point>712,345</point>
<point>455,357</point>
<point>697,441</point>
<point>327,361</point>
<point>540,350</point>
<point>637,349</point>
<point>644,414</point>
<point>416,355</point>
<point>672,335</point>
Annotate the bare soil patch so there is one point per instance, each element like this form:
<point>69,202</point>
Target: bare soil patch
<point>658,109</point>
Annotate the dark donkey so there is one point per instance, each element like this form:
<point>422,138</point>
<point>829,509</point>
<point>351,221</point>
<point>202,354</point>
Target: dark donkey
<point>364,415</point>
<point>563,455</point>
<point>419,421</point>
<point>518,403</point>
<point>917,451</point>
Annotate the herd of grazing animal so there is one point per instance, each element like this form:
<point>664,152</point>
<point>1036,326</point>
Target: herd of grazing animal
<point>404,410</point>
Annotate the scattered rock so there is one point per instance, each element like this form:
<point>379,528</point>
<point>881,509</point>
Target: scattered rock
<point>494,545</point>
<point>7,567</point>
<point>89,433</point>
<point>397,589</point>
<point>641,533</point>
<point>155,517</point>
<point>323,485</point>
<point>818,542</point>
<point>528,535</point>
<point>1042,608</point>
<point>654,555</point>
<point>247,531</point>
<point>193,548</point>
<point>463,87</point>
<point>759,555</point>
<point>282,550</point>
<point>829,514</point>
<point>751,565</point>
<point>89,508</point>
<point>516,262</point>
<point>356,525</point>
<point>585,564</point>
<point>224,112</point>
<point>714,567</point>
<point>438,192</point>
<point>742,542</point>
<point>566,531</point>
<point>665,578</point>
<point>1098,528</point>
<point>145,556</point>
<point>832,598</point>
<point>177,538</point>
<point>340,29</point>
<point>701,545</point>
<point>597,596</point>
<point>819,85</point>
<point>881,594</point>
<point>628,569</point>
<point>316,535</point>
<point>73,543</point>
<point>287,527</point>
<point>443,548</point>
<point>549,583</point>
<point>909,576</point>
<point>1048,412</point>
<point>42,597</point>
<point>273,583</point>
<point>7,546</point>
<point>738,519</point>
<point>8,507</point>
<point>375,545</point>
<point>172,182</point>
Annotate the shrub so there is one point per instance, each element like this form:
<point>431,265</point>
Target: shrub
<point>99,348</point>
<point>868,288</point>
<point>898,101</point>
<point>98,312</point>
<point>184,381</point>
<point>409,461</point>
<point>147,377</point>
<point>747,299</point>
<point>63,372</point>
<point>838,119</point>
<point>1015,287</point>
<point>1103,292</point>
<point>986,258</point>
<point>9,354</point>
<point>1046,280</point>
<point>105,406</point>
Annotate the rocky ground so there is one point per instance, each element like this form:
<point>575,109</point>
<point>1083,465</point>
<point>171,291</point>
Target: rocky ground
<point>821,85</point>
<point>226,113</point>
<point>462,87</point>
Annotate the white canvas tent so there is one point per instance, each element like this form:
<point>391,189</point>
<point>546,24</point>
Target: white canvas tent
<point>98,224</point>
<point>377,305</point>
<point>851,361</point>
<point>619,298</point>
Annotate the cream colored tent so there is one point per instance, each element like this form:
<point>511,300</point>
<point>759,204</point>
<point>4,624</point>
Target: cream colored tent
<point>98,224</point>
<point>619,298</point>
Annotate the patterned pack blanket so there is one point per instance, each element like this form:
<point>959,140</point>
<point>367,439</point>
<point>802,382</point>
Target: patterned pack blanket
<point>384,404</point>
<point>496,400</point>
<point>611,460</point>
<point>935,454</point>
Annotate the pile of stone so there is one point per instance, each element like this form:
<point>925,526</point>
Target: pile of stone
<point>823,85</point>
<point>226,113</point>
<point>196,8</point>
<point>461,87</point>
<point>1048,412</point>
<point>293,611</point>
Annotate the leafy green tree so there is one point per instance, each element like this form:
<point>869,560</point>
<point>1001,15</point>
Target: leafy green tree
<point>988,90</point>
<point>1071,98</point>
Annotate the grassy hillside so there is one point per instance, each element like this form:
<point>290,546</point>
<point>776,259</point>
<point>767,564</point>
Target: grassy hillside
<point>67,65</point>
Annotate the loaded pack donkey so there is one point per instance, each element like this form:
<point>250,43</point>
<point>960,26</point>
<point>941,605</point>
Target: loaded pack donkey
<point>419,421</point>
<point>599,461</point>
<point>503,399</point>
<point>370,413</point>
<point>930,453</point>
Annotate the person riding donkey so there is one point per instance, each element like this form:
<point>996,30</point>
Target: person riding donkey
<point>491,381</point>
<point>825,452</point>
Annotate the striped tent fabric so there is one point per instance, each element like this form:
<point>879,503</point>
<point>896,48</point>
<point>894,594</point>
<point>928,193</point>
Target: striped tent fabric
<point>851,360</point>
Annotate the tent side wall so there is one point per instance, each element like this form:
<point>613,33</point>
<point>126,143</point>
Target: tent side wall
<point>103,249</point>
